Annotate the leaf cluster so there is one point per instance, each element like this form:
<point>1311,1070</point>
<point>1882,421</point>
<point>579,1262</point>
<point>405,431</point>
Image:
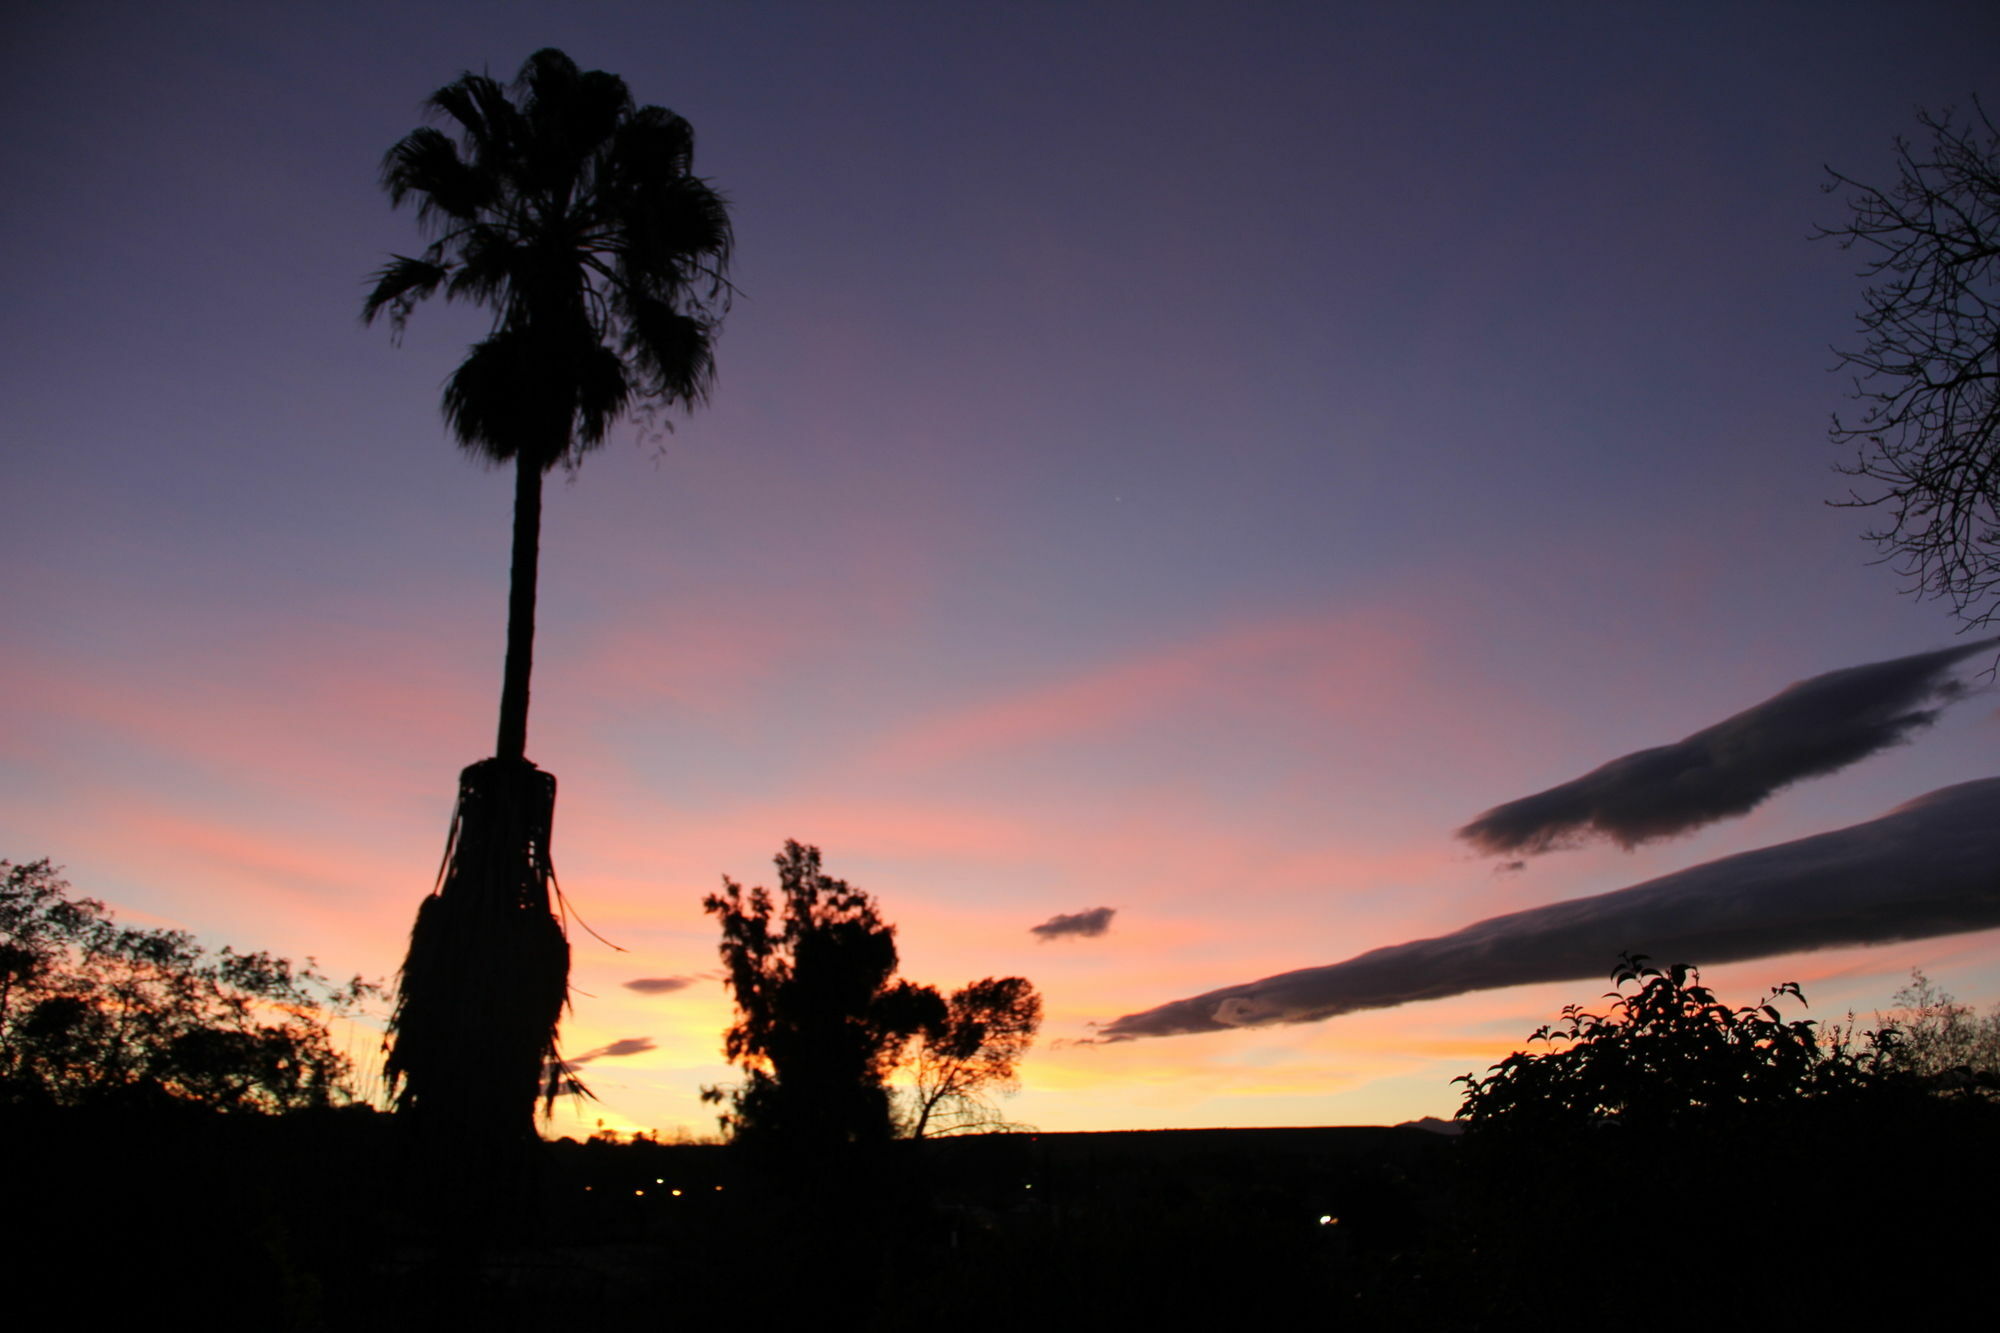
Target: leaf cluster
<point>1662,1053</point>
<point>93,1011</point>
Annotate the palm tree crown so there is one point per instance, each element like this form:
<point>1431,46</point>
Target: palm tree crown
<point>574,215</point>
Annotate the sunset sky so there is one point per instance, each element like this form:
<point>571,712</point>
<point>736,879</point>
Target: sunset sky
<point>1181,458</point>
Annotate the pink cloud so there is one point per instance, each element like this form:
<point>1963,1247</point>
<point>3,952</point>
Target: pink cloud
<point>320,708</point>
<point>1345,666</point>
<point>345,896</point>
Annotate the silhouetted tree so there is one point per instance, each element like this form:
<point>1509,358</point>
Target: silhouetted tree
<point>91,1011</point>
<point>820,1017</point>
<point>988,1027</point>
<point>574,215</point>
<point>1928,372</point>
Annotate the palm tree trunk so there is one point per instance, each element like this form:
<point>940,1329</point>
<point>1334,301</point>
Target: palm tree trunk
<point>513,741</point>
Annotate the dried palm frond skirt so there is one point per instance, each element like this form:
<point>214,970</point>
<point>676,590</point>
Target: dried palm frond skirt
<point>487,975</point>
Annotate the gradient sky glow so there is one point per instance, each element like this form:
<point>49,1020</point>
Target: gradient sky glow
<point>1188,459</point>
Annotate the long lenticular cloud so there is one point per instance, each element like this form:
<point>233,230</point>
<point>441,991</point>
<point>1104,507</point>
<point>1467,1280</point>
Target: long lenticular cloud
<point>1929,867</point>
<point>1811,728</point>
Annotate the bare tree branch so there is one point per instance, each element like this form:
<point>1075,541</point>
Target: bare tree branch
<point>1927,374</point>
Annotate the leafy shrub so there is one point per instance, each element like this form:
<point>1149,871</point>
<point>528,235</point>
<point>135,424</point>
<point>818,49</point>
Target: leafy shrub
<point>1589,1169</point>
<point>1665,1052</point>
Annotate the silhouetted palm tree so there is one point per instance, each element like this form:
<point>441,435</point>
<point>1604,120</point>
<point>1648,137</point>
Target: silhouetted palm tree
<point>573,214</point>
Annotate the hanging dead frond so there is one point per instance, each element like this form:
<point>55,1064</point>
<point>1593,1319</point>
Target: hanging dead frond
<point>487,975</point>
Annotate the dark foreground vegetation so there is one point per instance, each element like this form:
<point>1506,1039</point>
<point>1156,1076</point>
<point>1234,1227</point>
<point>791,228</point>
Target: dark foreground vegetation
<point>1671,1159</point>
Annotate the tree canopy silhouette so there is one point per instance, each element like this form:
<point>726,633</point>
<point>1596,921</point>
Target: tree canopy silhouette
<point>1927,373</point>
<point>95,1012</point>
<point>821,1018</point>
<point>573,214</point>
<point>988,1026</point>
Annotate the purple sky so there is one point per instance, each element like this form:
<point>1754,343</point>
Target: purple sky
<point>1182,459</point>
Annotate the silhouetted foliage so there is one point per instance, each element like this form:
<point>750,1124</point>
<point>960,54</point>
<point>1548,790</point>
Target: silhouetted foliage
<point>1951,1047</point>
<point>1664,1053</point>
<point>573,214</point>
<point>1587,1171</point>
<point>1928,371</point>
<point>988,1027</point>
<point>821,1019</point>
<point>91,1011</point>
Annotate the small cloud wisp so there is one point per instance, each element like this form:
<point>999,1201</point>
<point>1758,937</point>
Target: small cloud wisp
<point>1089,924</point>
<point>623,1046</point>
<point>1926,868</point>
<point>660,985</point>
<point>1811,728</point>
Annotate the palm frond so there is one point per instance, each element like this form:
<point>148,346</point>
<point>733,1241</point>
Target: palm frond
<point>674,351</point>
<point>569,114</point>
<point>425,163</point>
<point>399,285</point>
<point>603,392</point>
<point>481,109</point>
<point>654,144</point>
<point>675,241</point>
<point>545,75</point>
<point>505,399</point>
<point>520,390</point>
<point>493,265</point>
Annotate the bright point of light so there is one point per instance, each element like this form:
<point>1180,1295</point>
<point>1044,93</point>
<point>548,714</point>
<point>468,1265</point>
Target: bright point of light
<point>677,1194</point>
<point>1328,1220</point>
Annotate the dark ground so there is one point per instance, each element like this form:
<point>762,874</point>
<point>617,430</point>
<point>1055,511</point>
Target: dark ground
<point>309,1223</point>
